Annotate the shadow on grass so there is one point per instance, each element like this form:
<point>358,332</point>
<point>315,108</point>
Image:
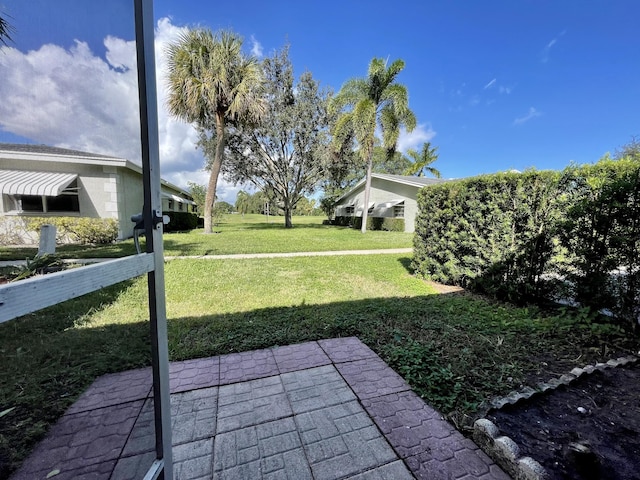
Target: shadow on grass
<point>280,226</point>
<point>114,250</point>
<point>455,350</point>
<point>406,263</point>
<point>46,362</point>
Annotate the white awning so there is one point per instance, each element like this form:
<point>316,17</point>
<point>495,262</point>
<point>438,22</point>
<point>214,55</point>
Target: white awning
<point>16,182</point>
<point>177,198</point>
<point>359,211</point>
<point>386,208</point>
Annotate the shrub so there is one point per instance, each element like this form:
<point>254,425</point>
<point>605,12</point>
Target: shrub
<point>492,233</point>
<point>373,223</point>
<point>343,221</point>
<point>78,229</point>
<point>601,230</point>
<point>534,236</point>
<point>180,221</point>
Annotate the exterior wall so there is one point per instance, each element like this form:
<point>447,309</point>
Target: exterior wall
<point>103,191</point>
<point>382,191</point>
<point>130,200</point>
<point>89,181</point>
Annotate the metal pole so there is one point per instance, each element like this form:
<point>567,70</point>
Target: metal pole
<point>152,211</point>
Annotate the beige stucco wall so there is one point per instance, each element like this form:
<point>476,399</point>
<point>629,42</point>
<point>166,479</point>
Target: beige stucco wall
<point>382,191</point>
<point>104,192</point>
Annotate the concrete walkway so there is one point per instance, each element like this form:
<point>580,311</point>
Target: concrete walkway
<point>324,410</point>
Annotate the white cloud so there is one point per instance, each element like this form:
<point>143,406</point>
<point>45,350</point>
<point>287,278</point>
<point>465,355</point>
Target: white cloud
<point>532,114</point>
<point>544,54</point>
<point>490,84</point>
<point>422,133</point>
<point>505,90</point>
<point>256,47</point>
<point>75,99</point>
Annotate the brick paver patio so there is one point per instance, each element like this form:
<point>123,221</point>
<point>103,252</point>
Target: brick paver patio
<point>323,410</point>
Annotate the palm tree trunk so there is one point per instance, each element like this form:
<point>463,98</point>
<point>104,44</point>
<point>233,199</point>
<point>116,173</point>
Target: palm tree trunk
<point>215,172</point>
<point>367,191</point>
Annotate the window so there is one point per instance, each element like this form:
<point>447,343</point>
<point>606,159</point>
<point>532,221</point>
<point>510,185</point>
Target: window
<point>66,202</point>
<point>398,211</point>
<point>350,210</point>
<point>170,205</point>
<point>180,206</point>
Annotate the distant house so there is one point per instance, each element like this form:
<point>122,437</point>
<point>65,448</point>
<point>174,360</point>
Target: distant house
<point>37,180</point>
<point>393,196</point>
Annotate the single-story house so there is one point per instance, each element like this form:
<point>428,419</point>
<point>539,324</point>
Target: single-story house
<point>391,196</point>
<point>38,180</point>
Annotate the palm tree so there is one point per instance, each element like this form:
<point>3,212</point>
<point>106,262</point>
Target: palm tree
<point>422,160</point>
<point>243,201</point>
<point>5,30</point>
<point>365,104</point>
<point>213,84</point>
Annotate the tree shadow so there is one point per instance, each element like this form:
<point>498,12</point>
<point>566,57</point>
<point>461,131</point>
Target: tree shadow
<point>406,262</point>
<point>454,350</point>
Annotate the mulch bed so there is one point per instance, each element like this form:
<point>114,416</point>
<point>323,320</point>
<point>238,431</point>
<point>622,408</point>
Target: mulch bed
<point>589,430</point>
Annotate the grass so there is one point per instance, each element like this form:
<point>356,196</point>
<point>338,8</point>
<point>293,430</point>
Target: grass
<point>456,350</point>
<point>238,234</point>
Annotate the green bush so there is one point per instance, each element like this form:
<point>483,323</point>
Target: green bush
<point>180,221</point>
<point>492,233</point>
<point>343,221</point>
<point>601,230</point>
<point>538,236</point>
<point>378,223</point>
<point>78,229</point>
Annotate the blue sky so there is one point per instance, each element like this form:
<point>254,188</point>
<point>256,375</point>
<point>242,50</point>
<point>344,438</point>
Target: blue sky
<point>495,85</point>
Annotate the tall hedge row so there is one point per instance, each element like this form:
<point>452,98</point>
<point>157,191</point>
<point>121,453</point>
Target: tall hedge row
<point>537,235</point>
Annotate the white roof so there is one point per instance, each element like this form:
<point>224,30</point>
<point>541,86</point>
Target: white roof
<point>17,182</point>
<point>417,182</point>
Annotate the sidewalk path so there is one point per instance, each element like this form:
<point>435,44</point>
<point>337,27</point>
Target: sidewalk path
<point>296,254</point>
<point>325,410</point>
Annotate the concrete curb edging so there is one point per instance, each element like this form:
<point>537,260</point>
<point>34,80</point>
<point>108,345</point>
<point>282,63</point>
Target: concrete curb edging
<point>502,449</point>
<point>505,452</point>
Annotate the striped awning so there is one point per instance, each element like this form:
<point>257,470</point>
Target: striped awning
<point>17,182</point>
<point>176,198</point>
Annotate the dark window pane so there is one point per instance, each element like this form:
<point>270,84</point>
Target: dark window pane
<point>31,203</point>
<point>63,203</point>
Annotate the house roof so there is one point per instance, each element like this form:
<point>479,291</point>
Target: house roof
<point>47,150</point>
<point>417,182</point>
<point>45,153</point>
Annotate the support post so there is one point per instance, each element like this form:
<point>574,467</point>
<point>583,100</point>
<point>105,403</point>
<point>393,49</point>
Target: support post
<point>152,213</point>
<point>47,240</point>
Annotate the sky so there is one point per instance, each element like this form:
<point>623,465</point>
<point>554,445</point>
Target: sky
<point>495,85</point>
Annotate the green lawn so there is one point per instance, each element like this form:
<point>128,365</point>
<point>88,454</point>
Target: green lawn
<point>238,234</point>
<point>455,349</point>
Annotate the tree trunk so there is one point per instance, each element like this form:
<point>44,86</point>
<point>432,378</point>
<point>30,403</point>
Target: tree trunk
<point>367,191</point>
<point>215,172</point>
<point>287,217</point>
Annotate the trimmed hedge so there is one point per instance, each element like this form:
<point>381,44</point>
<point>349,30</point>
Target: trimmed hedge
<point>601,230</point>
<point>373,223</point>
<point>537,235</point>
<point>491,233</point>
<point>78,229</point>
<point>180,221</point>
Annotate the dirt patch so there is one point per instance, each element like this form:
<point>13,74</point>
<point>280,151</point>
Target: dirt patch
<point>589,430</point>
<point>441,288</point>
